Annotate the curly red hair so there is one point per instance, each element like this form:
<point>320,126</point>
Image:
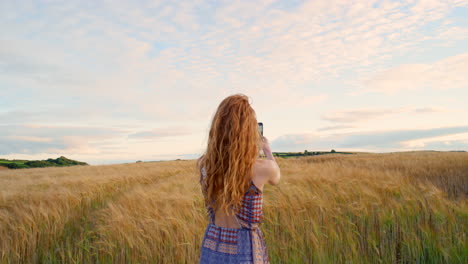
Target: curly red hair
<point>233,147</point>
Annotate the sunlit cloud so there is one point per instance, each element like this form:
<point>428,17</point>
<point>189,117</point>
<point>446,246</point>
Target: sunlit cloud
<point>161,133</point>
<point>446,74</point>
<point>151,73</point>
<point>336,127</point>
<point>359,115</point>
<point>452,141</point>
<point>390,140</point>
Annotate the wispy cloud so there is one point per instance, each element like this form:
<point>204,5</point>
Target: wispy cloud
<point>359,115</point>
<point>451,141</point>
<point>448,73</point>
<point>33,139</point>
<point>390,140</point>
<point>164,132</point>
<point>336,127</point>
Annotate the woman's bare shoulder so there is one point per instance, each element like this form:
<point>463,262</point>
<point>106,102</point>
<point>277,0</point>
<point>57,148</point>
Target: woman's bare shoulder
<point>265,164</point>
<point>263,170</point>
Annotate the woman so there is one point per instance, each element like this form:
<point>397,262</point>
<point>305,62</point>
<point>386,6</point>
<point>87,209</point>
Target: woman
<point>232,179</point>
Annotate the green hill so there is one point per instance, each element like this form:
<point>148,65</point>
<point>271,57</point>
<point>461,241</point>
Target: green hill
<point>24,164</point>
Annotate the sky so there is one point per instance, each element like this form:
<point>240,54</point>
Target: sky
<point>120,81</point>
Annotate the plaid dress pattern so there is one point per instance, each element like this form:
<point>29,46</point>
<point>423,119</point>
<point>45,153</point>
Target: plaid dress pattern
<point>245,245</point>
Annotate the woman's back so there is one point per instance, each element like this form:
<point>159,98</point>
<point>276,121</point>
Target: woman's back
<point>263,173</point>
<point>242,244</point>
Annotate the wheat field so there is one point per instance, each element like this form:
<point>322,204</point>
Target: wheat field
<point>364,208</point>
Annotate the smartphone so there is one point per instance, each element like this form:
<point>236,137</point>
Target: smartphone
<point>260,128</point>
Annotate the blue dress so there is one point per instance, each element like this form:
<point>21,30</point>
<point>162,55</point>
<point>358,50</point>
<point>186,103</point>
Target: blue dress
<point>244,245</point>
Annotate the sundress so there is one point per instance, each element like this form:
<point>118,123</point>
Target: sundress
<point>244,245</point>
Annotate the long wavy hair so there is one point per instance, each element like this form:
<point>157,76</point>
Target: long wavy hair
<point>233,146</point>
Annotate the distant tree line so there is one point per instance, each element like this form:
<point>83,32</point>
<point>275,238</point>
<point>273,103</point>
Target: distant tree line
<point>24,164</point>
<point>307,153</point>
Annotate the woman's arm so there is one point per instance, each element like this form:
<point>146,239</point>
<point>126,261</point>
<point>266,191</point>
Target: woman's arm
<point>272,168</point>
